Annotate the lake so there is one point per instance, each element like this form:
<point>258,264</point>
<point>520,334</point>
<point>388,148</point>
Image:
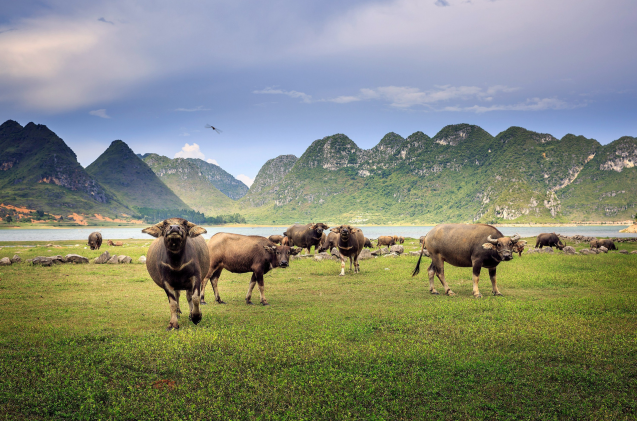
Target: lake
<point>81,234</point>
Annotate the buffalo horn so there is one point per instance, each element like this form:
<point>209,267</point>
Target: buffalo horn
<point>515,238</point>
<point>491,240</point>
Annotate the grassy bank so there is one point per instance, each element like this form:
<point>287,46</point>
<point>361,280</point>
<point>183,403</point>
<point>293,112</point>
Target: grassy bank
<point>88,342</point>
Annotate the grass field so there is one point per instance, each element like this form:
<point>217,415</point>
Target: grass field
<point>89,342</point>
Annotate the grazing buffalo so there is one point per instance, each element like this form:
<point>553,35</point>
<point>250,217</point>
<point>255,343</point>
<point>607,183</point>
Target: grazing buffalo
<point>241,254</point>
<point>285,241</point>
<point>95,240</point>
<point>116,243</point>
<point>401,239</point>
<point>330,241</point>
<point>609,244</point>
<point>549,240</point>
<point>276,239</point>
<point>368,244</point>
<point>178,260</point>
<point>385,240</point>
<point>466,245</point>
<point>519,247</point>
<point>350,243</point>
<point>306,236</point>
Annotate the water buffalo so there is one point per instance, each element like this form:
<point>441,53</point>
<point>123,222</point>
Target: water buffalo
<point>466,245</point>
<point>368,244</point>
<point>594,244</point>
<point>519,247</point>
<point>116,243</point>
<point>95,240</point>
<point>178,260</point>
<point>241,254</point>
<point>330,241</point>
<point>549,240</point>
<point>276,239</point>
<point>306,236</point>
<point>285,241</point>
<point>350,243</point>
<point>609,244</point>
<point>401,239</point>
<point>385,240</point>
<point>422,240</point>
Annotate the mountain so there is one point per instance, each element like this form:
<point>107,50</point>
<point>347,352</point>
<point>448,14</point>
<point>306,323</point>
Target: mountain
<point>606,188</point>
<point>192,180</point>
<point>132,181</point>
<point>38,170</point>
<point>462,174</point>
<point>266,182</point>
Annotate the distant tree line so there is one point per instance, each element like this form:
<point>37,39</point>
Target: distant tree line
<point>153,216</point>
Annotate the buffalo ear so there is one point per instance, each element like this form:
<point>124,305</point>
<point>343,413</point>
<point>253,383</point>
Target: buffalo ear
<point>195,230</point>
<point>336,229</point>
<point>313,227</point>
<point>269,249</point>
<point>154,230</point>
<point>355,230</point>
<point>522,243</point>
<point>488,246</point>
<point>295,250</point>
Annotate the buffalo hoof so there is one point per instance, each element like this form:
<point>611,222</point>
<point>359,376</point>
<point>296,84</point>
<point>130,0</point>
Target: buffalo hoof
<point>202,302</point>
<point>477,296</point>
<point>265,303</point>
<point>169,328</point>
<point>450,293</point>
<point>196,318</point>
<point>249,303</point>
<point>497,294</point>
<point>435,292</point>
<point>220,302</point>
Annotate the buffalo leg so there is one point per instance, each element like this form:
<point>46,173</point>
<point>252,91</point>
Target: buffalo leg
<point>357,268</point>
<point>214,280</point>
<point>439,269</point>
<point>202,293</point>
<point>253,282</point>
<point>494,283</point>
<point>342,265</point>
<point>476,279</point>
<point>192,296</point>
<point>173,301</point>
<point>351,259</point>
<point>261,289</point>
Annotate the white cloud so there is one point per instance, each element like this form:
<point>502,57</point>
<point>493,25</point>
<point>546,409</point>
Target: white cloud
<point>212,161</point>
<point>190,151</point>
<point>245,179</point>
<point>190,110</point>
<point>99,113</point>
<point>292,94</point>
<point>531,104</point>
<point>442,3</point>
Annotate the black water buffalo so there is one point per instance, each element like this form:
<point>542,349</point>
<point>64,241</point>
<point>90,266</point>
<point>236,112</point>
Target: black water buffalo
<point>386,240</point>
<point>241,254</point>
<point>330,241</point>
<point>350,243</point>
<point>466,245</point>
<point>549,240</point>
<point>95,240</point>
<point>368,243</point>
<point>609,244</point>
<point>306,236</point>
<point>178,260</point>
<point>276,239</point>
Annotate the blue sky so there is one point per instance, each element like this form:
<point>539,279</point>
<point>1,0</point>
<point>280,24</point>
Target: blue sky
<point>275,76</point>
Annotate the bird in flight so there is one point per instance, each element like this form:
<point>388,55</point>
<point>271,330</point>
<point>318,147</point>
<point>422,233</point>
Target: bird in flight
<point>208,126</point>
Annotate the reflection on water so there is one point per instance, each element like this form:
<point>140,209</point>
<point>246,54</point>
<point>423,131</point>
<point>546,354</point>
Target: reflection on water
<point>81,234</point>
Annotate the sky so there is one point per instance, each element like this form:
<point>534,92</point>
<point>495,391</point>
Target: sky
<point>275,76</point>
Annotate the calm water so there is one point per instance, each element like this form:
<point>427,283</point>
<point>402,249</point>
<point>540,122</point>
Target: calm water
<point>81,234</point>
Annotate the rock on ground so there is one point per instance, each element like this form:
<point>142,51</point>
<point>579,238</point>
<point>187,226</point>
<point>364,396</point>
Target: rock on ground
<point>142,259</point>
<point>569,250</point>
<point>391,255</point>
<point>75,258</point>
<point>365,254</point>
<point>5,261</point>
<point>623,251</point>
<point>114,260</point>
<point>16,259</point>
<point>380,251</point>
<point>336,253</point>
<point>103,258</point>
<point>42,260</point>
<point>398,249</point>
<point>124,259</point>
<point>547,250</point>
<point>603,249</point>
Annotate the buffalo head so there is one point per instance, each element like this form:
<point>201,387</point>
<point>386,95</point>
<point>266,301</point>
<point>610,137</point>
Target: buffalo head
<point>175,232</point>
<point>344,231</point>
<point>281,254</point>
<point>503,246</point>
<point>318,228</point>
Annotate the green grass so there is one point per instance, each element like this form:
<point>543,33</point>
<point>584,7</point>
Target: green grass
<point>88,342</point>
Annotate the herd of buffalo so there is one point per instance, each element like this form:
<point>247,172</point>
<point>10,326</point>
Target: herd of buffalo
<point>180,260</point>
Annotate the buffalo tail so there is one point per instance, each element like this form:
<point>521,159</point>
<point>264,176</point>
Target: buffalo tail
<point>417,269</point>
